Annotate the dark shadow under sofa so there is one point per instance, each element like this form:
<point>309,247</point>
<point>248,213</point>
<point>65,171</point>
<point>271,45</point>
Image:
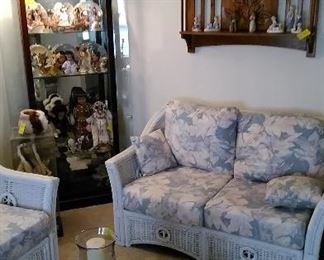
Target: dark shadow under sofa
<point>212,202</point>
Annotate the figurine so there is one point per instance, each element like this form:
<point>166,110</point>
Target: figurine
<point>213,27</point>
<point>275,27</point>
<point>290,18</point>
<point>57,114</point>
<point>99,122</point>
<point>95,60</point>
<point>196,25</point>
<point>95,19</point>
<point>298,23</point>
<point>233,25</point>
<point>85,60</point>
<point>61,12</point>
<point>81,110</point>
<point>252,25</point>
<point>69,66</point>
<point>30,160</point>
<point>52,66</point>
<point>103,64</point>
<point>80,19</point>
<point>36,19</point>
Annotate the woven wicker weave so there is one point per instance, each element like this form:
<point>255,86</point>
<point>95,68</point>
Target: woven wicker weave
<point>37,192</point>
<point>198,242</point>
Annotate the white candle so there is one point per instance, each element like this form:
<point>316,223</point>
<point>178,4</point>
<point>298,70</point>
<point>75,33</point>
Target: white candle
<point>96,249</point>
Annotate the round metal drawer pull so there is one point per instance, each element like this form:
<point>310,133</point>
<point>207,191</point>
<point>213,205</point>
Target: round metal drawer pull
<point>8,199</point>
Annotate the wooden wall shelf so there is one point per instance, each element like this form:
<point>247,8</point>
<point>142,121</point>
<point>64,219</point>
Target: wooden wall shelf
<point>285,40</point>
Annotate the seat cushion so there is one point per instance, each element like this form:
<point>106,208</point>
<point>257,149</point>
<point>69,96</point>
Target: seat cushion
<point>177,195</point>
<point>239,209</point>
<point>269,146</point>
<point>21,230</point>
<point>202,136</point>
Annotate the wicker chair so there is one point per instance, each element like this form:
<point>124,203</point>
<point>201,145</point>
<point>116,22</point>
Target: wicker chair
<point>27,216</point>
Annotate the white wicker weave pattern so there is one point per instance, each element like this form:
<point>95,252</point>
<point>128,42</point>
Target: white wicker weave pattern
<point>33,191</point>
<point>198,242</point>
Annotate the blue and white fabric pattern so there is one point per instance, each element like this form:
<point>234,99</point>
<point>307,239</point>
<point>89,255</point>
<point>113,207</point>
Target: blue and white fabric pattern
<point>269,146</point>
<point>294,192</point>
<point>177,195</point>
<point>153,153</point>
<point>21,230</point>
<point>200,136</point>
<point>239,209</point>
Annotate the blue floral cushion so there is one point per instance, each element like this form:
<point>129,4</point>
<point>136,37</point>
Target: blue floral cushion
<point>202,136</point>
<point>177,195</point>
<point>269,146</point>
<point>294,192</point>
<point>239,209</point>
<point>153,153</point>
<point>21,230</point>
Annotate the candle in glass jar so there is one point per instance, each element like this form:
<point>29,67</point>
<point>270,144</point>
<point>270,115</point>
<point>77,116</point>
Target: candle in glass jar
<point>96,249</point>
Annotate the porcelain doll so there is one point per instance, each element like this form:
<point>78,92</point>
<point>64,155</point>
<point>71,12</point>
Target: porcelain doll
<point>81,110</point>
<point>69,66</point>
<point>99,122</point>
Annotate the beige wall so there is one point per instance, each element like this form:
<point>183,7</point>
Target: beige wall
<point>247,76</point>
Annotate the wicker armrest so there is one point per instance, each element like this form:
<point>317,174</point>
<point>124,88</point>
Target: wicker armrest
<point>314,232</point>
<point>31,191</point>
<point>122,168</point>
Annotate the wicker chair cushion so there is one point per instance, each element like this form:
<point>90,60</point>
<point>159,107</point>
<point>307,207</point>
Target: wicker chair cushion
<point>21,230</point>
<point>269,146</point>
<point>294,192</point>
<point>239,209</point>
<point>202,137</point>
<point>153,153</point>
<point>177,195</point>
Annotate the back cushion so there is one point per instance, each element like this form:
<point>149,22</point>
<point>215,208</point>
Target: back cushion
<point>271,145</point>
<point>201,136</point>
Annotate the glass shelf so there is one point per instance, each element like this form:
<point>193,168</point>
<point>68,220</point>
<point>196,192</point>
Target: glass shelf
<point>65,32</point>
<point>70,75</point>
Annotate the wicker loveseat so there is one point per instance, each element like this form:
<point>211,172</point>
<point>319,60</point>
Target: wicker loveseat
<point>211,206</point>
<point>27,216</point>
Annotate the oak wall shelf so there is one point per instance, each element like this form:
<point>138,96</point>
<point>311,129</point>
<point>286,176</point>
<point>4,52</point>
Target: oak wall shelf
<point>241,37</point>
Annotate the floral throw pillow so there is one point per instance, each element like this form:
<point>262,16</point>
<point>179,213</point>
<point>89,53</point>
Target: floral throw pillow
<point>294,192</point>
<point>153,153</point>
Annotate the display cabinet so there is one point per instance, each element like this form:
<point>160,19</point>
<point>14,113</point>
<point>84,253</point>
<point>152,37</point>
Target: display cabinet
<point>70,71</point>
<point>278,23</point>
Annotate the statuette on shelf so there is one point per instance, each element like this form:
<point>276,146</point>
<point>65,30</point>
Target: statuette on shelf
<point>290,18</point>
<point>213,27</point>
<point>103,64</point>
<point>233,25</point>
<point>252,25</point>
<point>196,25</point>
<point>275,27</point>
<point>85,60</point>
<point>298,23</point>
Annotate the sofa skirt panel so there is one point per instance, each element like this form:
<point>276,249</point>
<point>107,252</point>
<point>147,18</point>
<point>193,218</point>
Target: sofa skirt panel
<point>141,229</point>
<point>41,251</point>
<point>223,246</point>
<point>199,242</point>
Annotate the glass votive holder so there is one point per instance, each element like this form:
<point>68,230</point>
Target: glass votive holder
<point>96,244</point>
